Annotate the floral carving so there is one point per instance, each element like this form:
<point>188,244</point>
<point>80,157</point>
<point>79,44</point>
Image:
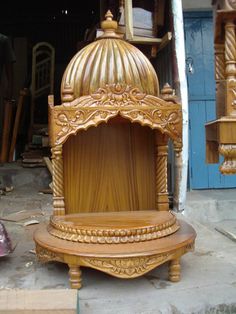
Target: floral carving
<point>165,120</point>
<point>70,122</point>
<point>45,255</point>
<point>127,267</point>
<point>110,101</point>
<point>116,95</point>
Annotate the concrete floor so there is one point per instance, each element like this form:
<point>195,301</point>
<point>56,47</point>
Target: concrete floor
<point>208,282</point>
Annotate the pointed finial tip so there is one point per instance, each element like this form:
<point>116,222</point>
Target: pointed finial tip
<point>109,15</point>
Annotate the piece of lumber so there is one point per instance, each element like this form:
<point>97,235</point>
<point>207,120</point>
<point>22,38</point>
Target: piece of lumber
<point>23,93</point>
<point>48,163</point>
<point>38,301</point>
<point>6,130</point>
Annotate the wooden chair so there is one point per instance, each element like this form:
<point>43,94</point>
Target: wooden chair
<point>43,63</point>
<point>109,151</point>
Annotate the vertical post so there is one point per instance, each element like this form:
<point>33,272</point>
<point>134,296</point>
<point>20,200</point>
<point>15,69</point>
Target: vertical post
<point>162,201</point>
<point>58,187</point>
<point>129,31</point>
<point>230,67</point>
<point>220,78</point>
<point>182,91</point>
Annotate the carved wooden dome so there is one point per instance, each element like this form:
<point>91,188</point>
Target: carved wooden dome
<point>108,60</point>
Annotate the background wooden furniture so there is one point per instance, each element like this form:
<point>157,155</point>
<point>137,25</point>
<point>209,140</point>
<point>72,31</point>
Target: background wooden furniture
<point>221,133</point>
<point>8,110</point>
<point>110,198</point>
<point>42,84</point>
<point>20,103</point>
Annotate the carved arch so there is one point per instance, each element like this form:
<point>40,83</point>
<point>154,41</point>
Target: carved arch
<point>110,101</point>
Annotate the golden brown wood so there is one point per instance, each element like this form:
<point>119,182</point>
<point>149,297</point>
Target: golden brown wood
<point>115,227</point>
<point>125,261</point>
<point>75,276</point>
<point>229,164</point>
<point>58,185</point>
<point>110,198</point>
<point>112,100</point>
<point>162,201</point>
<point>220,134</point>
<point>124,146</point>
<point>174,270</point>
<point>220,77</point>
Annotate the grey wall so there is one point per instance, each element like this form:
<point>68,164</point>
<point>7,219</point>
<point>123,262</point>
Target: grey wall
<point>196,5</point>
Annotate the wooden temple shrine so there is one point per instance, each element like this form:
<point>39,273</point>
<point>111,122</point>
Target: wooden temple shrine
<point>109,140</point>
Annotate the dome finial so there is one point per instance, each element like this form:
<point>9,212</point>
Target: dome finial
<point>109,26</point>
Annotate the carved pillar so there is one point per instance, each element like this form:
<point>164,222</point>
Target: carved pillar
<point>230,68</point>
<point>162,201</point>
<point>219,62</point>
<point>220,77</point>
<point>58,188</point>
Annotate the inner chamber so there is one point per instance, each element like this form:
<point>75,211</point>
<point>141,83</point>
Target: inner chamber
<point>110,168</point>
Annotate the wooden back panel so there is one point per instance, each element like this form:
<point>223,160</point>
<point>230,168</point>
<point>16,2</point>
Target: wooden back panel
<point>110,168</point>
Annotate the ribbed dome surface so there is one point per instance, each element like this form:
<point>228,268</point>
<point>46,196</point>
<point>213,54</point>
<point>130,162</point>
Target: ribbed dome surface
<point>108,61</point>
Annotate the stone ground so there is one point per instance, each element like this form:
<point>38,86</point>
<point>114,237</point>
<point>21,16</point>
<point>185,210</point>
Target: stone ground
<point>208,283</point>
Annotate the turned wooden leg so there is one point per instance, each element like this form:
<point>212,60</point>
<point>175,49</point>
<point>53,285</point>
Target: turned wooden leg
<point>75,277</point>
<point>174,270</point>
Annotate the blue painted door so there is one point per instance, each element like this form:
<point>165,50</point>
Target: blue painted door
<point>201,88</point>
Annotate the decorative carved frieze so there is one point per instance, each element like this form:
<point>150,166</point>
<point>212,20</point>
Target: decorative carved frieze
<point>112,100</point>
<point>133,266</point>
<point>127,267</point>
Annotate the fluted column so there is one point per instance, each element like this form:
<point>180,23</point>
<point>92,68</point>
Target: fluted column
<point>58,187</point>
<point>162,201</point>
